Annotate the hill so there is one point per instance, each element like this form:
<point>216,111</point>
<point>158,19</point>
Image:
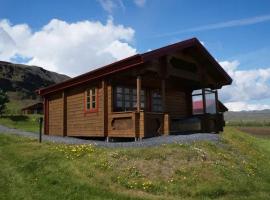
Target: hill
<point>21,81</point>
<point>237,167</point>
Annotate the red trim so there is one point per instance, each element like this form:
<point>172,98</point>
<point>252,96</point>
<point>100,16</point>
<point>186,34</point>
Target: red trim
<point>134,61</point>
<point>97,102</point>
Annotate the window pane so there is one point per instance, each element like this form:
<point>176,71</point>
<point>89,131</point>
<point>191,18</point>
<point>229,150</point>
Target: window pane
<point>93,105</point>
<point>127,91</point>
<point>88,93</point>
<point>197,104</point>
<point>127,104</point>
<point>93,91</point>
<point>119,104</point>
<point>88,106</point>
<point>210,99</point>
<point>127,97</point>
<point>119,90</point>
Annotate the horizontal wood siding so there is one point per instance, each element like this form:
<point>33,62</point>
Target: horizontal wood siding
<point>79,122</point>
<point>55,111</point>
<point>177,104</point>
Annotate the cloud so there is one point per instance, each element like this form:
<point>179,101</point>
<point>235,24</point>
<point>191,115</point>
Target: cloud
<point>248,85</point>
<point>221,25</point>
<point>140,3</point>
<point>110,5</point>
<point>240,105</point>
<point>70,48</point>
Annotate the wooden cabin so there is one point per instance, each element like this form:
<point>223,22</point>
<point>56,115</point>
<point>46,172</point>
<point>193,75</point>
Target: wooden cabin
<point>36,108</point>
<point>144,95</point>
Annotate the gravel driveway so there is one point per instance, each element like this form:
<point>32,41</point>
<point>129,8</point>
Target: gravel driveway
<point>143,143</point>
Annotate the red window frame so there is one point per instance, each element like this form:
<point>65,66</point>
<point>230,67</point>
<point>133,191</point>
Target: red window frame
<point>91,110</point>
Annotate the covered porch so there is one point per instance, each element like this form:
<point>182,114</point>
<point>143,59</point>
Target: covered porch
<point>163,100</point>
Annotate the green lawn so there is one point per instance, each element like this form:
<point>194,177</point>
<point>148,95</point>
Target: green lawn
<point>22,122</point>
<point>237,168</point>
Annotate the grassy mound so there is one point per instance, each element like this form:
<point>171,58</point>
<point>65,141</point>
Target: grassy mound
<point>236,168</point>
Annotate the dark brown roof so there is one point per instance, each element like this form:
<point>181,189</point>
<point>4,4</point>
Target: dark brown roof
<point>135,61</point>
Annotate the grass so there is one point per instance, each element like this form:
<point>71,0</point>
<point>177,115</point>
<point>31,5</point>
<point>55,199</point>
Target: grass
<point>236,168</point>
<point>22,122</point>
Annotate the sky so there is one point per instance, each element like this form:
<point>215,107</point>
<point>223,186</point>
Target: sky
<point>73,37</point>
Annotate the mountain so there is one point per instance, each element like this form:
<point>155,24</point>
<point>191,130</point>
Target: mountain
<point>21,82</point>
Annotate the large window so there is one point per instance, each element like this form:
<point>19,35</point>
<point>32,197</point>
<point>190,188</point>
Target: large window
<point>197,102</point>
<point>91,99</point>
<point>210,101</point>
<point>125,98</point>
<point>156,101</point>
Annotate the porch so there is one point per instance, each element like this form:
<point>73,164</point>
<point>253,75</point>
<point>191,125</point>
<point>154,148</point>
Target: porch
<point>151,108</point>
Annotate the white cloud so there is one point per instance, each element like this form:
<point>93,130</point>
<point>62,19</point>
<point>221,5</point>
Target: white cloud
<point>70,48</point>
<point>140,3</point>
<point>220,25</point>
<point>110,5</point>
<point>240,105</point>
<point>248,85</point>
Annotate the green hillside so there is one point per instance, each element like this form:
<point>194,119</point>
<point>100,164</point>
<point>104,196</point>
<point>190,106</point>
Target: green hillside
<point>235,168</point>
<point>21,82</point>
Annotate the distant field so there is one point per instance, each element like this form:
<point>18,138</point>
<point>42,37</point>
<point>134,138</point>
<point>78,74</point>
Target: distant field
<point>235,168</point>
<point>257,131</point>
<point>248,123</point>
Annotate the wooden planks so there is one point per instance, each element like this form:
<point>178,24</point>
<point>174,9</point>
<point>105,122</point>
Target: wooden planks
<point>79,122</point>
<point>55,112</point>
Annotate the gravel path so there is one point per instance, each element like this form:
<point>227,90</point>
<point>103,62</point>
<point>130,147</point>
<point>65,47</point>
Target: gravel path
<point>143,143</point>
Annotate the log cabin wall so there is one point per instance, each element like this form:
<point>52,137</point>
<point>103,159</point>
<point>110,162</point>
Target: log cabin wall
<point>80,122</point>
<point>55,113</point>
<point>177,103</point>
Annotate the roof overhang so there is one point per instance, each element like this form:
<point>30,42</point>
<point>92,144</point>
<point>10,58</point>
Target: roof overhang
<point>135,61</point>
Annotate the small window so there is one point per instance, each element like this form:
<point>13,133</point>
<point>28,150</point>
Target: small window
<point>91,99</point>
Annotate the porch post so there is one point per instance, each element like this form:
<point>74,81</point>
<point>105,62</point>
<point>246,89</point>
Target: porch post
<point>163,94</point>
<point>139,84</point>
<point>216,97</point>
<point>204,101</point>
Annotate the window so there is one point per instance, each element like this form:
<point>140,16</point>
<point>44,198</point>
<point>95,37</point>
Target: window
<point>126,99</point>
<point>197,101</point>
<point>156,101</point>
<point>91,99</point>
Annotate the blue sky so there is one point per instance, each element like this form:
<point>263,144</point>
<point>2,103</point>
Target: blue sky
<point>232,30</point>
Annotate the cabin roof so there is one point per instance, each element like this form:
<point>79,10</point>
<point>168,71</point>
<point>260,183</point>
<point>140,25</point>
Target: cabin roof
<point>135,61</point>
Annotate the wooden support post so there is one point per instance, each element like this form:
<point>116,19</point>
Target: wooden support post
<point>163,94</point>
<point>204,101</point>
<point>139,84</point>
<point>216,97</point>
